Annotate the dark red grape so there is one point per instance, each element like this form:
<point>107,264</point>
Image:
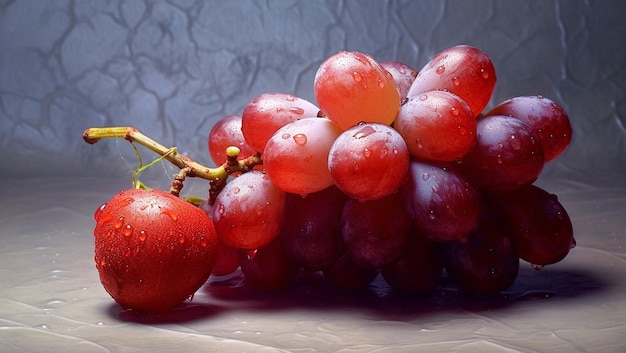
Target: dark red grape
<point>269,268</point>
<point>344,273</point>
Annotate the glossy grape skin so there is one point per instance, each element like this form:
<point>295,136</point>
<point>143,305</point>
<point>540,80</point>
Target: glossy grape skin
<point>463,70</point>
<point>225,133</point>
<point>351,87</point>
<point>374,232</point>
<point>507,154</point>
<point>296,156</point>
<point>368,161</point>
<point>269,268</point>
<point>539,223</point>
<point>418,267</point>
<point>548,119</point>
<point>437,125</point>
<point>310,231</point>
<point>486,263</point>
<point>270,111</point>
<point>247,213</point>
<point>402,74</point>
<point>443,204</point>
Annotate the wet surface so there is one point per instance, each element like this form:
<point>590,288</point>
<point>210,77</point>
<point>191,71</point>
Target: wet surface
<point>51,297</point>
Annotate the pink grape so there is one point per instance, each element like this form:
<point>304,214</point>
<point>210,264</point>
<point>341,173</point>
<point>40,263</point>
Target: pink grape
<point>547,118</point>
<point>247,213</point>
<point>437,126</point>
<point>402,74</point>
<point>296,156</point>
<point>351,87</point>
<point>225,133</point>
<point>443,204</point>
<point>507,154</point>
<point>374,232</point>
<point>269,112</point>
<point>368,161</point>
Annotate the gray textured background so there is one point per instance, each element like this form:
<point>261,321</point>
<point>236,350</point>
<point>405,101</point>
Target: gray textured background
<point>172,68</point>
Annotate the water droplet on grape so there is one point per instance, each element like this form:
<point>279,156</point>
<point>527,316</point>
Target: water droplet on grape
<point>128,230</point>
<point>364,132</point>
<point>290,98</point>
<point>285,136</point>
<point>381,84</point>
<point>418,143</point>
<point>143,207</point>
<point>119,223</point>
<point>170,214</point>
<point>484,74</point>
<point>357,77</point>
<point>367,152</point>
<point>300,139</point>
<point>127,201</point>
<point>297,110</point>
<point>181,239</point>
<point>515,143</point>
<point>431,215</point>
<point>127,253</point>
<point>142,235</point>
<point>454,111</point>
<point>423,97</point>
<point>204,243</point>
<point>236,190</point>
<point>456,81</point>
<point>103,263</point>
<point>499,159</point>
<point>425,176</point>
<point>536,267</point>
<point>462,130</point>
<point>440,69</point>
<point>539,96</point>
<point>99,211</point>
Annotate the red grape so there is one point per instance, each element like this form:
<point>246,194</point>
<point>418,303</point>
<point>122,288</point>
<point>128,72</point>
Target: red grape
<point>225,133</point>
<point>437,125</point>
<point>417,269</point>
<point>374,232</point>
<point>486,263</point>
<point>269,112</point>
<point>402,74</point>
<point>296,156</point>
<point>351,87</point>
<point>540,225</point>
<point>547,118</point>
<point>310,231</point>
<point>368,161</point>
<point>507,155</point>
<point>463,70</point>
<point>442,202</point>
<point>345,273</point>
<point>268,268</point>
<point>248,211</point>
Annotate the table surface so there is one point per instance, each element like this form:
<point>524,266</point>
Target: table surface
<point>51,298</point>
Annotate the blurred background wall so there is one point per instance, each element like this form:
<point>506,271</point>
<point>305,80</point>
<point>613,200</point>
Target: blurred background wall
<point>173,68</point>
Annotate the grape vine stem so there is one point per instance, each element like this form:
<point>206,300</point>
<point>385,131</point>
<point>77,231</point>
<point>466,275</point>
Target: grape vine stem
<point>190,167</point>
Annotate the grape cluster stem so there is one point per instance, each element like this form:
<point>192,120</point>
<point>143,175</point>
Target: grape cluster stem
<point>188,167</point>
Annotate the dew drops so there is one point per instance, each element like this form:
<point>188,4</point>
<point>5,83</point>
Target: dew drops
<point>99,211</point>
<point>462,130</point>
<point>203,243</point>
<point>515,143</point>
<point>119,223</point>
<point>128,230</point>
<point>364,132</point>
<point>236,190</point>
<point>441,69</point>
<point>536,267</point>
<point>367,152</point>
<point>181,239</point>
<point>456,81</point>
<point>290,98</point>
<point>431,215</point>
<point>381,84</point>
<point>127,201</point>
<point>170,214</point>
<point>423,97</point>
<point>297,110</point>
<point>357,77</point>
<point>285,136</point>
<point>142,235</point>
<point>484,73</point>
<point>300,139</point>
<point>454,111</point>
<point>425,176</point>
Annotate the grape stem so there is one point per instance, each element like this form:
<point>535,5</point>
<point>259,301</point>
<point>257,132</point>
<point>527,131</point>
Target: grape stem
<point>189,168</point>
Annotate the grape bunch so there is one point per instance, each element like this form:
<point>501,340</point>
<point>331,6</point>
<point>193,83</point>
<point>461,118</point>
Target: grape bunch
<point>398,173</point>
<point>393,173</point>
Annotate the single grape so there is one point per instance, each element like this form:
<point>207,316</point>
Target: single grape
<point>311,232</point>
<point>296,156</point>
<point>547,118</point>
<point>269,112</point>
<point>507,154</point>
<point>443,204</point>
<point>486,263</point>
<point>345,273</point>
<point>402,74</point>
<point>247,213</point>
<point>269,268</point>
<point>225,133</point>
<point>437,125</point>
<point>368,161</point>
<point>417,269</point>
<point>463,70</point>
<point>351,87</point>
<point>540,225</point>
<point>374,232</point>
